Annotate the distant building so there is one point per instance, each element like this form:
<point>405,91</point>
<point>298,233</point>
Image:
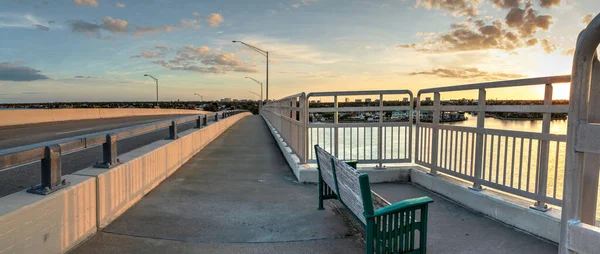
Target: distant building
<point>226,100</point>
<point>347,100</point>
<point>404,99</point>
<point>368,100</point>
<point>235,100</point>
<point>358,100</point>
<point>427,98</point>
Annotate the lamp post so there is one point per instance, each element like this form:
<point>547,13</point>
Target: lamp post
<point>264,53</point>
<point>261,92</point>
<point>155,80</point>
<point>201,98</point>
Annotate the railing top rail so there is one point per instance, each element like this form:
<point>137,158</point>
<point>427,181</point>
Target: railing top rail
<point>366,92</point>
<point>29,153</point>
<point>288,97</point>
<point>501,84</point>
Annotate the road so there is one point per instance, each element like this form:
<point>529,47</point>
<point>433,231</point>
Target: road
<point>16,179</point>
<point>13,136</point>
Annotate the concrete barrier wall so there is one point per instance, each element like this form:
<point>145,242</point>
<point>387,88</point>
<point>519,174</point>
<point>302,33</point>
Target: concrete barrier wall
<point>32,116</point>
<point>55,223</point>
<point>32,223</point>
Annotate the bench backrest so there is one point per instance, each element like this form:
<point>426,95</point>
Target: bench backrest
<point>349,189</point>
<point>324,166</point>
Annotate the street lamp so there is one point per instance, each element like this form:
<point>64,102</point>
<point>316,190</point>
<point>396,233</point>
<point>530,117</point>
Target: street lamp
<point>201,98</point>
<point>261,91</point>
<point>264,53</point>
<point>155,80</point>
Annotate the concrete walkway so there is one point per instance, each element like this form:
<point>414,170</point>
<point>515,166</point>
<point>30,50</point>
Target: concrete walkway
<point>238,195</point>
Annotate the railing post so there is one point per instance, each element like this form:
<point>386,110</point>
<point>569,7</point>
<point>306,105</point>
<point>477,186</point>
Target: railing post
<point>417,131</point>
<point>199,122</point>
<point>335,121</point>
<point>109,152</point>
<point>479,153</point>
<point>542,172</point>
<point>380,145</point>
<point>205,120</point>
<point>216,117</point>
<point>591,161</point>
<point>435,133</point>
<point>173,130</point>
<point>51,172</point>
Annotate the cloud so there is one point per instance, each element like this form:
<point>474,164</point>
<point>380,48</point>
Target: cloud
<point>468,73</point>
<point>189,24</point>
<point>115,25</point>
<point>214,19</point>
<point>139,31</point>
<point>549,3</point>
<point>42,28</point>
<point>304,3</point>
<point>588,18</point>
<point>84,27</point>
<point>83,77</point>
<point>26,21</point>
<point>506,4</point>
<point>547,46</point>
<point>120,5</point>
<point>456,7</point>
<point>161,52</point>
<point>527,21</point>
<point>203,59</point>
<point>51,22</point>
<point>91,3</point>
<point>515,31</point>
<point>14,72</point>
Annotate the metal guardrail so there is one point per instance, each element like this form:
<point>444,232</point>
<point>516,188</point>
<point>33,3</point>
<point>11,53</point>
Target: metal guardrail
<point>388,142</point>
<point>287,115</point>
<point>50,152</point>
<point>579,232</point>
<point>516,162</point>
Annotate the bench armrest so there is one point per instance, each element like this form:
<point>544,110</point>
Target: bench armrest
<point>402,205</point>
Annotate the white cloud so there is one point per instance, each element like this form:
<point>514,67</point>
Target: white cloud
<point>214,19</point>
<point>91,3</point>
<point>120,5</point>
<point>283,51</point>
<point>26,21</point>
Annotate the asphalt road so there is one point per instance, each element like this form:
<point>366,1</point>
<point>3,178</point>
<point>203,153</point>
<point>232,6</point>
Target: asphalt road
<point>16,179</point>
<point>13,136</point>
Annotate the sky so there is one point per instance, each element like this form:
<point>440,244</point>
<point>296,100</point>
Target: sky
<point>99,50</point>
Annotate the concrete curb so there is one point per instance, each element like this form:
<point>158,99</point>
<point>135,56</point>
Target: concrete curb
<point>58,222</point>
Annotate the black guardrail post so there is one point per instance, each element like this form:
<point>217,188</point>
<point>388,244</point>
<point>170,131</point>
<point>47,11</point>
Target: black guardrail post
<point>51,172</point>
<point>109,152</point>
<point>205,121</point>
<point>216,117</point>
<point>199,122</point>
<point>173,130</point>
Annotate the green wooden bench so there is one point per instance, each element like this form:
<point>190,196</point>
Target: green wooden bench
<point>390,228</point>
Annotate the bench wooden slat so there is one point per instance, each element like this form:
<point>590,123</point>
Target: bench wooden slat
<point>349,188</point>
<point>324,161</point>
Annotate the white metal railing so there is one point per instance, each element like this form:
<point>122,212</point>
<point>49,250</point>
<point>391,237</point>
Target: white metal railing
<point>287,116</point>
<point>516,162</point>
<point>377,141</point>
<point>578,230</point>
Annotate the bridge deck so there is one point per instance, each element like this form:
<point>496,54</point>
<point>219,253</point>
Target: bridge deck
<point>239,196</point>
